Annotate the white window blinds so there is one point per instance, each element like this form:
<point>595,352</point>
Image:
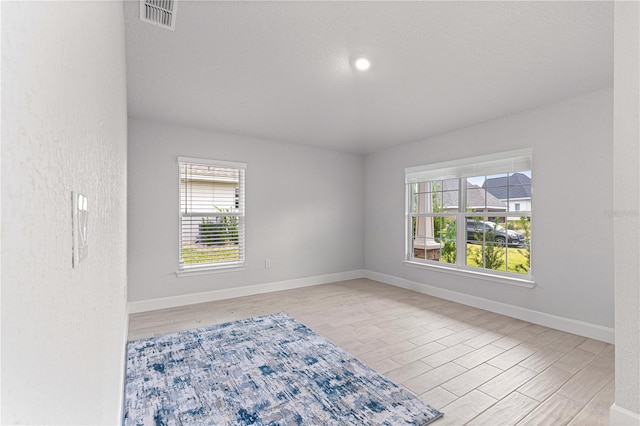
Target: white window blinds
<point>212,214</point>
<point>504,162</point>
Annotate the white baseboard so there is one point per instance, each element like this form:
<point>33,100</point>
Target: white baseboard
<point>229,293</point>
<point>619,416</point>
<point>593,331</point>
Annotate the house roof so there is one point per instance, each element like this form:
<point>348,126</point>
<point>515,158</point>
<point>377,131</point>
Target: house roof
<point>518,186</point>
<point>477,197</point>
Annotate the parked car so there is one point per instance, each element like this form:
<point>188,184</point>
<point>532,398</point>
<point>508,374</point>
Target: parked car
<point>476,230</point>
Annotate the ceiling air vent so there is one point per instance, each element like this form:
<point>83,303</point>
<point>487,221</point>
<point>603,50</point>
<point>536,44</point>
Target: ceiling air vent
<point>159,12</point>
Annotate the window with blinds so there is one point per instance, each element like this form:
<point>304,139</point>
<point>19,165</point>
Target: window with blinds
<point>472,214</point>
<point>212,214</point>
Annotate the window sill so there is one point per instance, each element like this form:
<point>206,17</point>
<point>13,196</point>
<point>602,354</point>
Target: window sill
<point>500,279</point>
<point>210,270</point>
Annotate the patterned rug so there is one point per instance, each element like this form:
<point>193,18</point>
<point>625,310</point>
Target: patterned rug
<point>269,370</point>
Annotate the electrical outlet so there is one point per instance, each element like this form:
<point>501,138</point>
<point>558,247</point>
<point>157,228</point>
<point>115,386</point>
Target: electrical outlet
<point>267,263</point>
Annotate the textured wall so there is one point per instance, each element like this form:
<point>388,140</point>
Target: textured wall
<point>63,129</point>
<point>572,241</point>
<point>626,204</point>
<point>303,209</point>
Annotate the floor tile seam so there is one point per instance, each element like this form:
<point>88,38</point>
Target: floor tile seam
<point>590,369</point>
<point>440,384</point>
<point>420,344</point>
<point>382,351</point>
<point>589,364</point>
<point>594,397</point>
<point>563,396</point>
<point>419,359</point>
<point>510,393</point>
<point>488,343</point>
<point>552,394</point>
<point>470,390</point>
<point>538,348</point>
<point>486,361</point>
<point>584,408</point>
<point>521,345</point>
<point>432,341</point>
<point>451,360</point>
<point>489,359</point>
<point>522,384</point>
<point>559,391</point>
<point>408,378</point>
<point>455,344</point>
<point>604,348</point>
<point>483,411</point>
<point>533,354</point>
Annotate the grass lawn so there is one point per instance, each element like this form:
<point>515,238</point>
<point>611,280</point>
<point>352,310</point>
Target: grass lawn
<point>195,253</point>
<point>515,256</point>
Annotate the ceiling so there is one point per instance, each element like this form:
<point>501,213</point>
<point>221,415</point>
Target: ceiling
<point>281,70</point>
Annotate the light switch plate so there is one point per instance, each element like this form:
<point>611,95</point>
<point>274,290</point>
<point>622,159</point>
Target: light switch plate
<point>79,220</point>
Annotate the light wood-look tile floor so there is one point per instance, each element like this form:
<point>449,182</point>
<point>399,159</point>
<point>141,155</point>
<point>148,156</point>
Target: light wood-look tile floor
<point>478,367</point>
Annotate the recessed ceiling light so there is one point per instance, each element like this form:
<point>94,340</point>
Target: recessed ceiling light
<point>362,63</point>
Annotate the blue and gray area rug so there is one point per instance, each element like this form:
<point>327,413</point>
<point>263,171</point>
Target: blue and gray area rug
<point>269,370</point>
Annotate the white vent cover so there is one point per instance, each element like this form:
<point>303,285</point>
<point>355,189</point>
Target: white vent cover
<point>159,12</point>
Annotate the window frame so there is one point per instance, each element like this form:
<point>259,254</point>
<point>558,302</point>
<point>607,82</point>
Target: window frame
<point>487,165</point>
<point>238,210</point>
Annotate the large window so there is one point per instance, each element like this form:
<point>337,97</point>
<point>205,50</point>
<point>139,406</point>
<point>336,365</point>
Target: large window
<point>211,214</point>
<point>472,214</point>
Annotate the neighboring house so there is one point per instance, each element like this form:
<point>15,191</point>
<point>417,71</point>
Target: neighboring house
<point>479,200</point>
<point>516,189</point>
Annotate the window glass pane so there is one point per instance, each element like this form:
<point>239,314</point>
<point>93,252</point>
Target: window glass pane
<point>495,257</point>
<point>450,201</point>
<point>434,238</point>
<point>487,255</point>
<point>476,197</point>
<point>209,240</point>
<point>519,260</point>
<point>475,230</point>
<point>450,185</point>
<point>434,186</point>
<point>520,186</point>
<point>496,181</point>
<point>520,255</point>
<point>497,192</point>
<point>422,229</point>
<point>430,197</point>
<point>520,194</point>
<point>436,203</point>
<point>420,202</point>
<point>412,190</point>
<point>448,240</point>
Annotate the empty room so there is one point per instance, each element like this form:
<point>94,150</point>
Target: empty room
<point>320,213</point>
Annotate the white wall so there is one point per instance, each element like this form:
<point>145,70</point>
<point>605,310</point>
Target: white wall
<point>626,179</point>
<point>572,253</point>
<point>63,129</point>
<point>303,209</point>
